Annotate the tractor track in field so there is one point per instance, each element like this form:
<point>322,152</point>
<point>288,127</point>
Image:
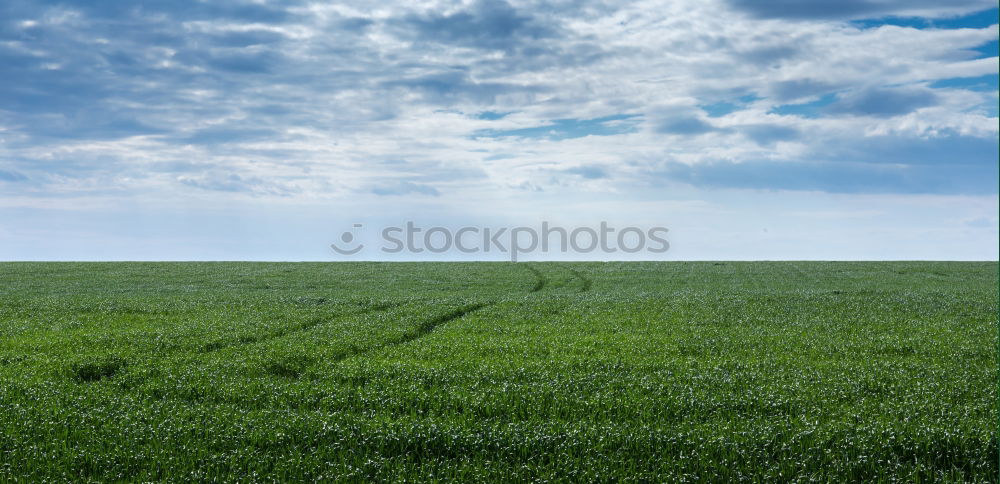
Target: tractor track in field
<point>585,283</point>
<point>311,323</point>
<point>277,369</point>
<point>540,279</point>
<point>430,325</point>
<point>423,329</point>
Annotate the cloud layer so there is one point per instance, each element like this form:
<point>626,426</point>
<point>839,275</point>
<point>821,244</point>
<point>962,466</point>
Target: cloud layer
<point>298,95</point>
<point>319,102</point>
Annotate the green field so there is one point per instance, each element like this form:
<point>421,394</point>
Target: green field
<point>663,372</point>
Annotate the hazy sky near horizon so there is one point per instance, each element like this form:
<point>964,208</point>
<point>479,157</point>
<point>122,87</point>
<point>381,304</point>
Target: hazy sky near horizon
<point>773,129</point>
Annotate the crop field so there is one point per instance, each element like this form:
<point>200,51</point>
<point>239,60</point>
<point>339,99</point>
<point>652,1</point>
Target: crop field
<point>661,372</point>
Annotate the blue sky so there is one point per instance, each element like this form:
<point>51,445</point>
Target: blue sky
<point>782,129</point>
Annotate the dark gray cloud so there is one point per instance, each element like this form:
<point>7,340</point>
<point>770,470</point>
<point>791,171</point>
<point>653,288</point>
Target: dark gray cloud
<point>90,125</point>
<point>852,9</point>
<point>531,38</point>
<point>835,177</point>
<point>766,55</point>
<point>224,135</point>
<point>405,188</point>
<point>883,102</point>
<point>684,124</point>
<point>881,164</point>
<point>455,85</point>
<point>560,129</point>
<point>768,134</point>
<point>791,90</point>
<point>486,24</point>
<point>590,172</point>
<point>942,151</point>
<point>109,10</point>
<point>249,38</point>
<point>12,176</point>
<point>543,56</point>
<point>234,61</point>
<point>235,183</point>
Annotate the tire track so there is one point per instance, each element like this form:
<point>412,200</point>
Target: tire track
<point>311,323</point>
<point>423,329</point>
<point>428,326</point>
<point>586,283</point>
<point>540,279</point>
<point>87,371</point>
<point>281,368</point>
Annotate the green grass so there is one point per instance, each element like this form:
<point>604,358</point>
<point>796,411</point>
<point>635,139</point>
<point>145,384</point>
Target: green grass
<point>657,372</point>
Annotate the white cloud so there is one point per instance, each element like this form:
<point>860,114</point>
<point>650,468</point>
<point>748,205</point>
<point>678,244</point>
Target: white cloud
<point>321,104</point>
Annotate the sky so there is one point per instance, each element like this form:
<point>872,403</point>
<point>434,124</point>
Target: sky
<point>752,130</point>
